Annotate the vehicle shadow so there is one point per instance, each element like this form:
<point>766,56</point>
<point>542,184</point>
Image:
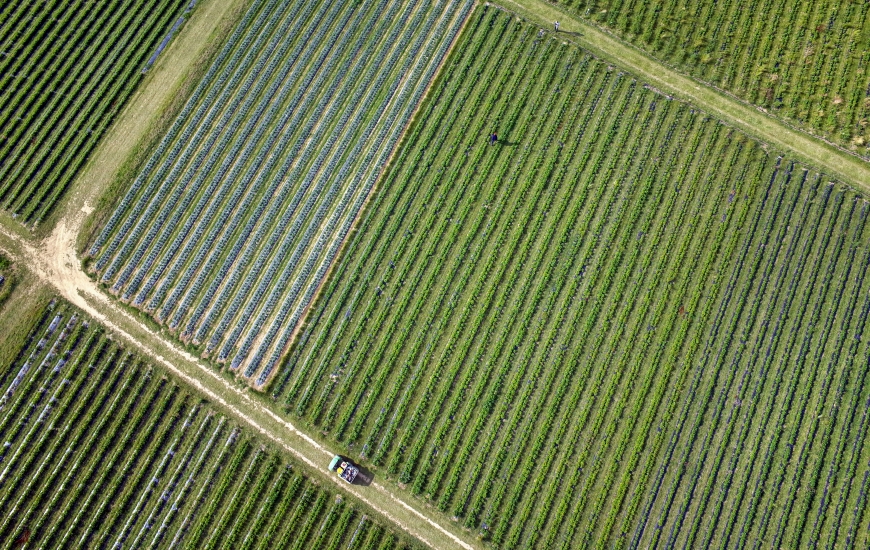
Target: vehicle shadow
<point>364,477</point>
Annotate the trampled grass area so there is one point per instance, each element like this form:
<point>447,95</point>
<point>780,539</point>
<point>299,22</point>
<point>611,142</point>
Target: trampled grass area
<point>624,324</point>
<point>805,61</point>
<point>66,70</point>
<point>21,307</point>
<point>102,449</point>
<point>8,277</point>
<point>230,228</point>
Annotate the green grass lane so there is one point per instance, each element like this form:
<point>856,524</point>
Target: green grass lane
<point>102,448</point>
<point>802,146</point>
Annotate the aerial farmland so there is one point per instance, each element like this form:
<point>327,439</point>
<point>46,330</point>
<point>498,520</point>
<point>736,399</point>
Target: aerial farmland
<point>66,72</point>
<point>232,225</point>
<point>434,274</point>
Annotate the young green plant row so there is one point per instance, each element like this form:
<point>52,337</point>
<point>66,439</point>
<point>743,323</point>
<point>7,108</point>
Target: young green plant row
<point>582,335</point>
<point>65,72</point>
<point>102,449</point>
<point>230,229</point>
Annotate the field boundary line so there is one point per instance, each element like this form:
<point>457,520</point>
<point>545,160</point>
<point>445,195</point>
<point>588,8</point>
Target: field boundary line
<point>810,150</point>
<point>50,257</point>
<point>54,262</point>
<point>303,320</point>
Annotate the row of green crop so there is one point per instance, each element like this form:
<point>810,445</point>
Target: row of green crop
<point>587,331</point>
<point>445,232</point>
<point>101,449</point>
<point>633,223</point>
<point>615,216</point>
<point>233,224</point>
<point>576,337</point>
<point>308,395</point>
<point>807,61</point>
<point>66,73</point>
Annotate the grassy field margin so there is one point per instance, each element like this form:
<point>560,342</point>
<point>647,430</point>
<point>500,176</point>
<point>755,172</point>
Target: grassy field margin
<point>142,123</point>
<point>754,121</point>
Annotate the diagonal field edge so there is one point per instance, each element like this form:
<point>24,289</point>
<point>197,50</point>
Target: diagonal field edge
<point>753,121</point>
<point>50,256</point>
<point>46,263</point>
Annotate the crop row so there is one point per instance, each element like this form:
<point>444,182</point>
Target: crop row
<point>581,335</point>
<point>233,224</point>
<point>102,449</point>
<point>808,66</point>
<point>65,74</point>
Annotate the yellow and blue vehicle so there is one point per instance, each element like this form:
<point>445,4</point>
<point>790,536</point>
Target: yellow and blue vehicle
<point>344,467</point>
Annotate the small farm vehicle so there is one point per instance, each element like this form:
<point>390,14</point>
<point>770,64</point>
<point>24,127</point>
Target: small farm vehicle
<point>344,467</point>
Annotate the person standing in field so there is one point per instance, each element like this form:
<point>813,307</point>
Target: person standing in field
<point>556,26</point>
<point>493,138</point>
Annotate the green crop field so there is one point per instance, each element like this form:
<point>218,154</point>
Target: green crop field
<point>808,62</point>
<point>101,449</point>
<point>66,71</point>
<point>227,233</point>
<point>545,303</point>
<point>624,324</point>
